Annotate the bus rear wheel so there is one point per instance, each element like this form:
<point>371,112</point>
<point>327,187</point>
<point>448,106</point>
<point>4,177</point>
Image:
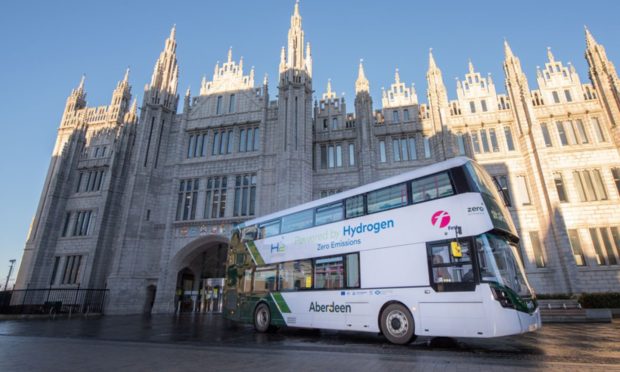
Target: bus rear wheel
<point>397,324</point>
<point>262,318</point>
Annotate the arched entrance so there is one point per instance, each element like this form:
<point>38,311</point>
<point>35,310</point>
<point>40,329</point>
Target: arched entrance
<point>200,268</point>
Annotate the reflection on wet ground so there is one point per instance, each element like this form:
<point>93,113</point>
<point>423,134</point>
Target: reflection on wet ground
<point>567,343</point>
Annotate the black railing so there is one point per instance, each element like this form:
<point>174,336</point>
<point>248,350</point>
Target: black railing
<point>53,301</point>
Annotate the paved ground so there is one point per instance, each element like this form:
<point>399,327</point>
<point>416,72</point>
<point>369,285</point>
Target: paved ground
<point>209,343</point>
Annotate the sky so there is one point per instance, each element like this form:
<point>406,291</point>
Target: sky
<point>47,46</point>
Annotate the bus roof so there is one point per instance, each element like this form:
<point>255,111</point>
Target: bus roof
<point>416,173</point>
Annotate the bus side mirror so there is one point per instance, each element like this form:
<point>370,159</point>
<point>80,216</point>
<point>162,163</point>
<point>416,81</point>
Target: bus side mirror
<point>455,249</point>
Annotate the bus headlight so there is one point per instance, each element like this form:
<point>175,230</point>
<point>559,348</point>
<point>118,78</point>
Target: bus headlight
<point>502,297</point>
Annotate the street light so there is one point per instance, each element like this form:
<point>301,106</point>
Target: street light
<point>6,284</point>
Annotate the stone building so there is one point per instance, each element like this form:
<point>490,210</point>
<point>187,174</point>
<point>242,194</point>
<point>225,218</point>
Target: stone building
<point>144,205</point>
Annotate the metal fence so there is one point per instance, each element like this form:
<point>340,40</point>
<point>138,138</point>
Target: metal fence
<point>52,301</point>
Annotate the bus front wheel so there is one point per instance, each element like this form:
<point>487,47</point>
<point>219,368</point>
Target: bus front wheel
<point>397,324</point>
<point>262,318</point>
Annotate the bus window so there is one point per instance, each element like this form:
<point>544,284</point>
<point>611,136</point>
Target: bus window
<point>353,270</point>
<point>433,187</point>
<point>449,269</point>
<point>269,229</point>
<point>329,213</point>
<point>246,285</point>
<point>387,198</point>
<point>297,221</point>
<point>295,275</point>
<point>329,273</point>
<point>355,206</point>
<point>265,279</point>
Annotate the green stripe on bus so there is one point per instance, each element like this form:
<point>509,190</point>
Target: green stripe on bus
<point>258,259</point>
<point>282,305</point>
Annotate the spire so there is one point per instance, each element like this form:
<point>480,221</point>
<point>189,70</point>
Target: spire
<point>81,85</point>
<point>329,87</point>
<point>471,67</point>
<point>295,57</point>
<point>397,76</point>
<point>134,106</point>
<point>126,77</point>
<point>361,84</point>
<point>173,32</point>
<point>282,60</point>
<point>266,79</point>
<point>590,42</point>
<point>230,54</point>
<point>550,55</point>
<point>507,50</point>
<point>431,61</point>
<point>165,73</point>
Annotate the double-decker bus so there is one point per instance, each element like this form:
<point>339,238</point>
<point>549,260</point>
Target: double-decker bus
<point>430,252</point>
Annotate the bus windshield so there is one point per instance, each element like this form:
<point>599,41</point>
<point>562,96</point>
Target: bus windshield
<point>499,263</point>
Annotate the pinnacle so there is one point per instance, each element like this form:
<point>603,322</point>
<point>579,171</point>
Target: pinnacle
<point>550,55</point>
<point>507,50</point>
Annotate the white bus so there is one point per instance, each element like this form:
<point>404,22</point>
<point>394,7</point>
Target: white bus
<point>430,252</point>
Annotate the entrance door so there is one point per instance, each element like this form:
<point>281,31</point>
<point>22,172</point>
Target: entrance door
<point>213,297</point>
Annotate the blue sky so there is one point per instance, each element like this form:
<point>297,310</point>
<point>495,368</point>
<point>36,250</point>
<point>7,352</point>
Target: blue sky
<point>48,45</point>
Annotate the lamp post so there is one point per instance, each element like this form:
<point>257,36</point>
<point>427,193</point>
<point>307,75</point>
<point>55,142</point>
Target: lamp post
<point>6,284</point>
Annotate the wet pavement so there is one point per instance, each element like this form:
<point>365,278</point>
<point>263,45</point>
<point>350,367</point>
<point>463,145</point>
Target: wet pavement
<point>229,346</point>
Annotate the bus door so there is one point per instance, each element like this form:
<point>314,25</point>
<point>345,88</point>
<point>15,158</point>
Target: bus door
<point>451,306</point>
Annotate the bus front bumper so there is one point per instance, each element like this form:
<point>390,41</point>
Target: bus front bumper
<point>530,322</point>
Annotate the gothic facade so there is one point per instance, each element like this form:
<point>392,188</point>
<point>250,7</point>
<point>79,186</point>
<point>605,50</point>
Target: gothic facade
<point>143,204</point>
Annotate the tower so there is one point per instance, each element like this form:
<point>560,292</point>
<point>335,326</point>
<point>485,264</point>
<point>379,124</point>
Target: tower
<point>438,106</point>
<point>605,80</point>
<point>364,120</point>
<point>293,142</point>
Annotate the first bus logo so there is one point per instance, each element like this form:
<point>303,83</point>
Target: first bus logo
<point>440,219</point>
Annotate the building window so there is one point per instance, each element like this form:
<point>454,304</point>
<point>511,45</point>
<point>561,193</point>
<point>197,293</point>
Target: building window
<point>546,136</point>
<point>615,173</point>
<point>187,199</point>
<point>598,130</point>
<point>559,187</point>
<point>472,107</point>
<point>216,143</point>
<point>232,104</point>
<point>561,133</point>
<point>590,185</point>
<point>81,223</point>
<point>575,245</point>
<point>483,103</point>
<point>324,123</point>
<point>215,202</point>
<point>536,247</point>
<point>396,149</point>
<point>460,141</point>
<point>334,123</point>
<point>218,107</point>
<point>338,155</point>
<point>581,131</point>
<point>509,142</point>
<point>427,147</point>
<point>568,96</point>
<point>406,115</point>
<point>605,242</point>
<point>475,143</point>
<point>323,155</point>
<point>382,154</point>
<point>523,191</point>
<point>248,139</point>
<point>65,228</point>
<point>71,270</point>
<point>395,116</point>
<point>413,155</point>
<point>54,270</point>
<point>90,181</point>
<point>351,154</point>
<point>330,156</point>
<point>556,97</point>
<point>485,140</point>
<point>245,195</point>
<point>502,187</point>
<point>197,145</point>
<point>494,144</point>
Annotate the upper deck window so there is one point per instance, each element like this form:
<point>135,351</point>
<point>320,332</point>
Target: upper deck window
<point>269,229</point>
<point>297,221</point>
<point>387,198</point>
<point>431,187</point>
